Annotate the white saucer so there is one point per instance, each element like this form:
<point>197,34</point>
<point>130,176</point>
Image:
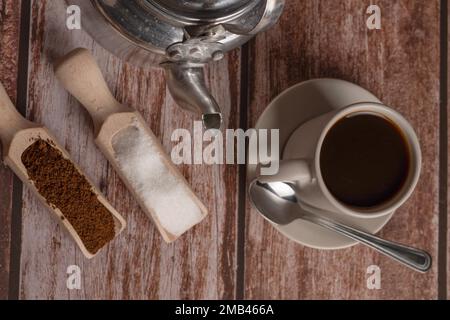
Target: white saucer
<point>288,112</point>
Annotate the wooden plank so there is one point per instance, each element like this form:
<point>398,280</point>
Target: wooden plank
<point>400,64</point>
<point>9,48</point>
<point>138,265</point>
<point>448,155</point>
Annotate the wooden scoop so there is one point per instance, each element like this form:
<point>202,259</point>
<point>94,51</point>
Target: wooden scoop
<point>17,134</point>
<point>81,76</point>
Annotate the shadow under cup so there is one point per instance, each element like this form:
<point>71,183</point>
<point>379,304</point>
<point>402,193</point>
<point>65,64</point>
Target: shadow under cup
<point>369,160</point>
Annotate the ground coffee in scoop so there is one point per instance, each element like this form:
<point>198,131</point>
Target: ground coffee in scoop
<point>65,188</point>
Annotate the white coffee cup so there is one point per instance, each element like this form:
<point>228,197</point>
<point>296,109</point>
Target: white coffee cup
<point>302,162</point>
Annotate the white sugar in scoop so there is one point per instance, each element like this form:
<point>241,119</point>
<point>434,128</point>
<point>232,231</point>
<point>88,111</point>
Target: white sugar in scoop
<point>132,149</point>
<point>161,191</point>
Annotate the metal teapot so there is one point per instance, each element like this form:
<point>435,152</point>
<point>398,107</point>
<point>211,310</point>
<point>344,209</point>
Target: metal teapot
<point>179,35</point>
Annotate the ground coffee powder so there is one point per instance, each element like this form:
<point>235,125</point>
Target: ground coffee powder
<point>65,188</point>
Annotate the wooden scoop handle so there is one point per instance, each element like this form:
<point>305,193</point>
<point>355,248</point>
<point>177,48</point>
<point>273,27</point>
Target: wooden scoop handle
<point>11,121</point>
<point>80,74</point>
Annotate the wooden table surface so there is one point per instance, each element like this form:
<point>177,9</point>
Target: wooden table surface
<point>234,253</point>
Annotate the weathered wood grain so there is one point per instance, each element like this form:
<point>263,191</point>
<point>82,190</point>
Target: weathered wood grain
<point>9,47</point>
<point>400,64</point>
<point>448,155</point>
<point>138,265</point>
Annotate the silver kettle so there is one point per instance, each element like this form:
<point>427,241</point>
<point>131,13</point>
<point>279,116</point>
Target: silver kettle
<point>181,36</point>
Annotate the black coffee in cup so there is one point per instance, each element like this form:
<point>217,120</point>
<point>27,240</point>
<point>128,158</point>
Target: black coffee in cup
<point>365,160</point>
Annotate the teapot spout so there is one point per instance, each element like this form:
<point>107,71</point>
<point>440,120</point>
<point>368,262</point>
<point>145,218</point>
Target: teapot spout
<point>186,83</point>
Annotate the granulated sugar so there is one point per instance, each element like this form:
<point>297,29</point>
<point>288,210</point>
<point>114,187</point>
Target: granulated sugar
<point>162,192</point>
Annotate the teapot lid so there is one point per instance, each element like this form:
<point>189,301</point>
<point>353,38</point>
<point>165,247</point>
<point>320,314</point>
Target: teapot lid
<point>202,11</point>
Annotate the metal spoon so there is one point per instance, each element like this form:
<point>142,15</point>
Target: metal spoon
<point>278,203</point>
